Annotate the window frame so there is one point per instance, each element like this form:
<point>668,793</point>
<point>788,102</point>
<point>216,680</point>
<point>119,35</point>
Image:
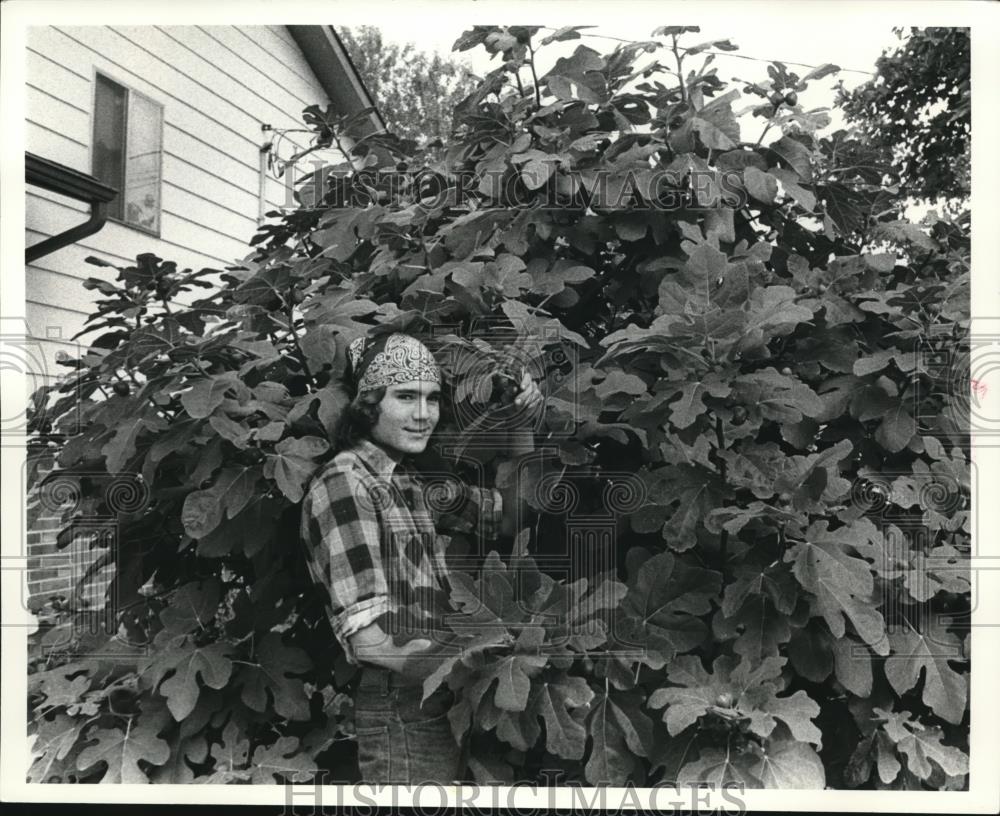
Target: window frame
<point>129,90</point>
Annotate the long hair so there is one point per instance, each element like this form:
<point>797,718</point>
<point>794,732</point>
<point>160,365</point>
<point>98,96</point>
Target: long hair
<point>361,415</point>
<point>358,418</point>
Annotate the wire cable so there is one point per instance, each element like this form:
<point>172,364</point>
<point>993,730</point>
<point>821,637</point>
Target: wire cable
<point>718,53</point>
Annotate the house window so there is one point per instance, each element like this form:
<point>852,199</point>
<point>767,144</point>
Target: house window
<point>128,144</point>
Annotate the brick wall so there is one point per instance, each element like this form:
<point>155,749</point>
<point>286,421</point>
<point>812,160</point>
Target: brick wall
<point>51,571</point>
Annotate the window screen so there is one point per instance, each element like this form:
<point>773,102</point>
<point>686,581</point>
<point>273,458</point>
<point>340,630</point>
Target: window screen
<point>142,164</point>
<point>127,152</point>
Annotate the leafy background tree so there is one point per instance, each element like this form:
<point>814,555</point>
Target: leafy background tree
<point>415,92</point>
<point>748,378</point>
<point>918,108</point>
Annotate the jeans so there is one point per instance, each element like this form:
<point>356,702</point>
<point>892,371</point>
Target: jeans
<point>400,742</point>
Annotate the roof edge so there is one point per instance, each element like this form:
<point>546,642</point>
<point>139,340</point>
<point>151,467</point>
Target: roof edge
<point>332,66</point>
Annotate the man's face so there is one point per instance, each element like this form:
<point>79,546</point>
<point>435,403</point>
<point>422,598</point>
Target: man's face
<point>408,414</point>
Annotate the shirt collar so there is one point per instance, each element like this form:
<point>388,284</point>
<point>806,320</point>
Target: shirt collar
<point>376,457</point>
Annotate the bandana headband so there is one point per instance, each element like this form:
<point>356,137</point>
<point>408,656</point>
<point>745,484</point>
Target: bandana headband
<point>390,360</point>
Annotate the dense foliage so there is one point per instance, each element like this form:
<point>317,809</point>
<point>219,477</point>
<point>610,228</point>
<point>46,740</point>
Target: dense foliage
<point>918,109</point>
<point>752,379</point>
<point>415,91</point>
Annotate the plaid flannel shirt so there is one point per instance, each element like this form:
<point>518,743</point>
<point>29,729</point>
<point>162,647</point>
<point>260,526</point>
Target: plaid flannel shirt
<point>371,529</point>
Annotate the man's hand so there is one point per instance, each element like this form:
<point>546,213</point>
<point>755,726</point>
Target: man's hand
<point>520,426</point>
<point>424,657</point>
<point>526,406</point>
<point>418,658</point>
<point>529,397</point>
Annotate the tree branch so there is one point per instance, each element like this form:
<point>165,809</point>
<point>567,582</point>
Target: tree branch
<point>295,336</point>
<point>680,70</point>
<point>720,440</point>
<point>534,75</point>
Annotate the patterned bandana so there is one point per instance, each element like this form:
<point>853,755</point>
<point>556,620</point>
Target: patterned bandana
<point>389,360</point>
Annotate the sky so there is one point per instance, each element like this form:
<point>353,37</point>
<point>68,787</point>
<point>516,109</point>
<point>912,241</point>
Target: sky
<point>811,42</point>
<point>840,41</point>
<point>844,43</point>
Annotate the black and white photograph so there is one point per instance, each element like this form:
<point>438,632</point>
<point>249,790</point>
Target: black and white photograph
<point>500,398</point>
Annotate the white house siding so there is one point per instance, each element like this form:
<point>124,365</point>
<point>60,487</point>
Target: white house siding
<point>217,86</point>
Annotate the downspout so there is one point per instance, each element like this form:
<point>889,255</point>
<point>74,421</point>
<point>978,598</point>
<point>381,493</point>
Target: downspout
<point>98,216</point>
<point>66,181</point>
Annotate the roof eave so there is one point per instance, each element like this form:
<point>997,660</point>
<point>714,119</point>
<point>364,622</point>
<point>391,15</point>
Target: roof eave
<point>329,61</point>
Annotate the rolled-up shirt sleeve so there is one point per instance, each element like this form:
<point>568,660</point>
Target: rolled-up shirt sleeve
<point>344,551</point>
<point>473,509</point>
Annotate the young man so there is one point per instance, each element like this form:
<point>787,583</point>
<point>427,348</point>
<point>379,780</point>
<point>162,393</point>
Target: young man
<point>371,527</point>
